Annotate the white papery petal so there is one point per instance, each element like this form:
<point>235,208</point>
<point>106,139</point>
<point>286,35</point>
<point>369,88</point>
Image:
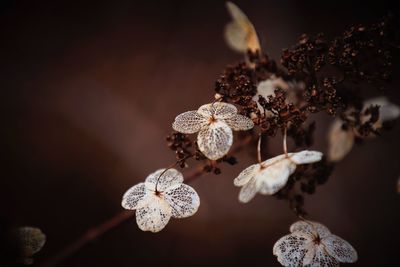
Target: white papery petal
<point>153,216</point>
<point>219,110</point>
<point>274,178</point>
<point>322,259</point>
<point>170,178</point>
<point>292,249</point>
<point>306,157</point>
<point>239,122</point>
<point>183,200</point>
<point>310,228</point>
<point>215,141</point>
<point>240,33</point>
<point>133,196</point>
<point>31,239</point>
<point>340,249</point>
<point>248,191</point>
<point>340,142</point>
<point>246,175</point>
<point>189,122</point>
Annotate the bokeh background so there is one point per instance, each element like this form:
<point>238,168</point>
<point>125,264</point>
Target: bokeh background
<point>89,90</point>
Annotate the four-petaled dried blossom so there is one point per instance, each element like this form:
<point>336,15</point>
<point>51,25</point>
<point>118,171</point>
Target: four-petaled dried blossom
<point>215,123</point>
<point>31,240</point>
<point>312,244</point>
<point>270,176</point>
<point>341,140</point>
<point>159,198</point>
<point>240,33</point>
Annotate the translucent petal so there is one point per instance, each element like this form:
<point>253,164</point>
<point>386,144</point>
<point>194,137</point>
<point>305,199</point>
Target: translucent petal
<point>340,142</point>
<point>242,35</point>
<point>310,228</point>
<point>292,249</point>
<point>306,157</point>
<point>133,196</point>
<point>189,122</point>
<point>246,175</point>
<point>239,122</point>
<point>31,239</point>
<point>274,178</point>
<point>340,249</point>
<point>236,37</point>
<point>183,200</point>
<point>170,178</point>
<point>215,141</point>
<point>219,110</point>
<point>248,191</point>
<point>154,215</point>
<point>322,259</point>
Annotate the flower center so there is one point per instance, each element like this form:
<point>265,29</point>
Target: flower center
<point>317,240</point>
<point>212,119</point>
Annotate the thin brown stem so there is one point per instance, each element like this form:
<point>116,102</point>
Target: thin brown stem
<point>113,222</point>
<point>284,142</point>
<point>259,149</point>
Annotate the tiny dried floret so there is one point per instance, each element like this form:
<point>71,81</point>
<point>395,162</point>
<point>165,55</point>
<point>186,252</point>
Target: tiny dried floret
<point>31,240</point>
<point>312,244</point>
<point>162,196</point>
<point>270,176</point>
<point>214,123</point>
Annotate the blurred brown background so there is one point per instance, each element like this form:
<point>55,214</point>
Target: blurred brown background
<point>88,93</point>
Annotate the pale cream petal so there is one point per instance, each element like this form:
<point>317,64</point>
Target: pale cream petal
<point>274,178</point>
<point>240,33</point>
<point>322,259</point>
<point>170,178</point>
<point>133,196</point>
<point>340,249</point>
<point>239,122</point>
<point>183,200</point>
<point>31,239</point>
<point>218,110</point>
<point>215,141</point>
<point>306,157</point>
<point>246,175</point>
<point>248,191</point>
<point>310,228</point>
<point>153,216</point>
<point>292,249</point>
<point>189,122</point>
<point>340,141</point>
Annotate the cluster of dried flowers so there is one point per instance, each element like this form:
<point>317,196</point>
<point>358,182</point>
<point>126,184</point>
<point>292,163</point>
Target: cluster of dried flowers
<point>261,100</point>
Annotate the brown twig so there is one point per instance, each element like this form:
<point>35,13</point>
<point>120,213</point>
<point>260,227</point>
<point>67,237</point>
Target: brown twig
<point>111,223</point>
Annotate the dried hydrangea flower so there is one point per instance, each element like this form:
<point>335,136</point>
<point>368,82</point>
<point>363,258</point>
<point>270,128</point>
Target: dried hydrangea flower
<point>162,196</point>
<point>341,140</point>
<point>32,241</point>
<point>215,123</point>
<point>312,244</point>
<point>270,176</point>
<point>240,33</point>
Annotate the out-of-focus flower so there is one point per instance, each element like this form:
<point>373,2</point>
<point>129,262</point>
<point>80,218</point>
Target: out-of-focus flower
<point>341,140</point>
<point>240,33</point>
<point>270,176</point>
<point>312,244</point>
<point>215,123</point>
<point>31,241</point>
<point>162,196</point>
